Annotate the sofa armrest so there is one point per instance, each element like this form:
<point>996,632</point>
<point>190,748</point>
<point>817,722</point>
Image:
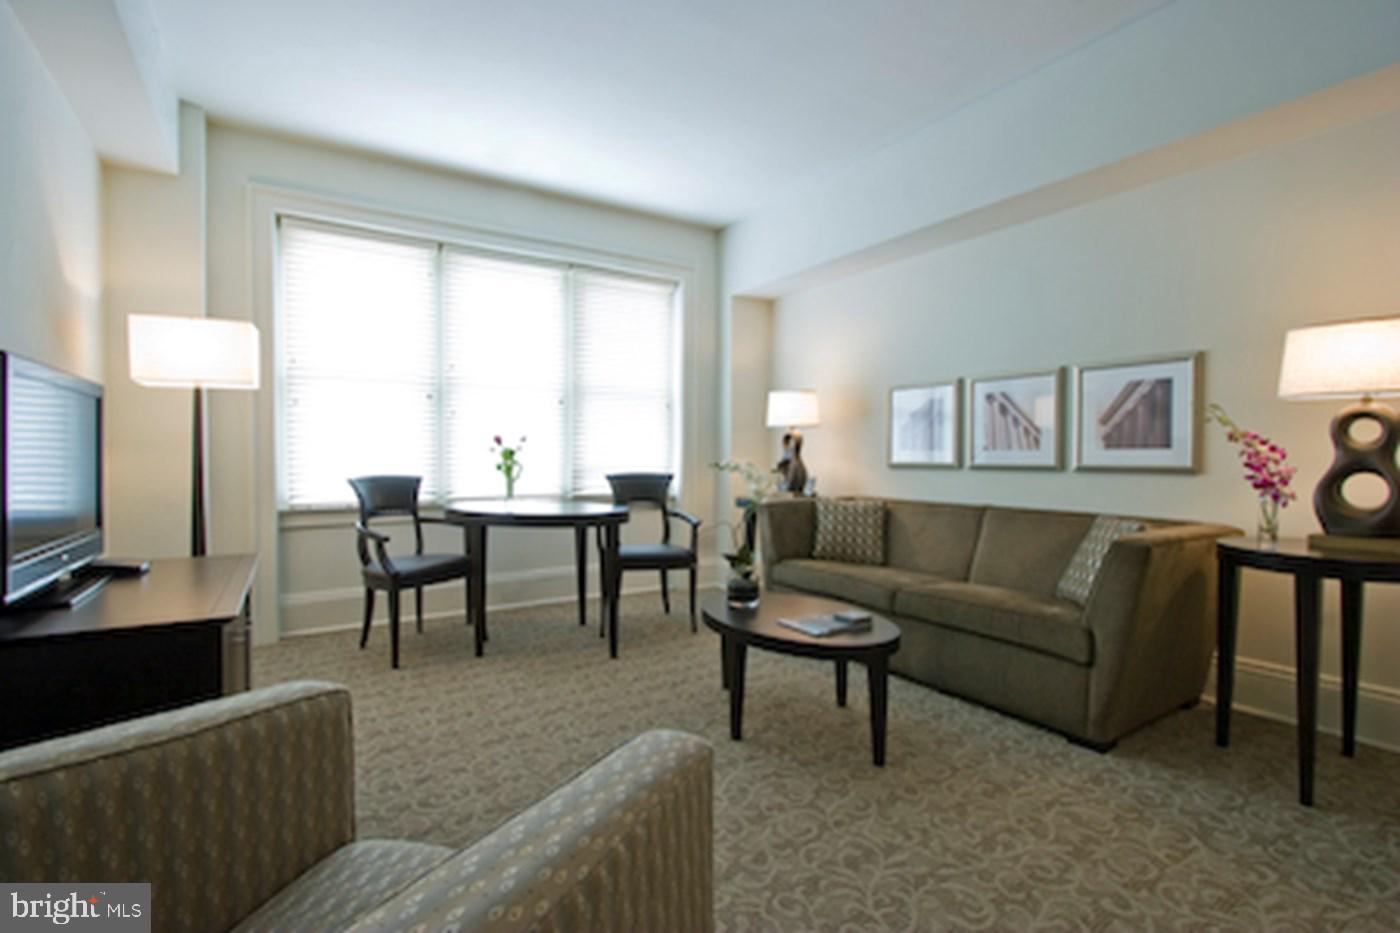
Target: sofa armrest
<point>626,845</point>
<point>1152,616</point>
<point>218,805</point>
<point>786,528</point>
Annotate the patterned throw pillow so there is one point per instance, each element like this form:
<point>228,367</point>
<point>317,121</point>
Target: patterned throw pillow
<point>850,530</point>
<point>1078,580</point>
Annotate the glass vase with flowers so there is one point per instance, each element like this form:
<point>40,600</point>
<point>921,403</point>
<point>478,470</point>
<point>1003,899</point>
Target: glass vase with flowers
<point>1265,469</point>
<point>508,462</point>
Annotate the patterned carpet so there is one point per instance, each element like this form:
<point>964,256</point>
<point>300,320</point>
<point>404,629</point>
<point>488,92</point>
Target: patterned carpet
<point>978,821</point>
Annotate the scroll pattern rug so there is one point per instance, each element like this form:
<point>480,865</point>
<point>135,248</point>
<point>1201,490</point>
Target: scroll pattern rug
<point>978,822</point>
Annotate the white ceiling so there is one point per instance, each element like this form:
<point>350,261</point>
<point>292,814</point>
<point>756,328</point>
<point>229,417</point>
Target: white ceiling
<point>700,109</point>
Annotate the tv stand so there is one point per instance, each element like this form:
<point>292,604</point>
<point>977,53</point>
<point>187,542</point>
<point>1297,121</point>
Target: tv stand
<point>139,644</point>
<point>69,593</point>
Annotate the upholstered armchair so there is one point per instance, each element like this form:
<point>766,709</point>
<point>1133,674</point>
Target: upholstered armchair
<point>240,812</point>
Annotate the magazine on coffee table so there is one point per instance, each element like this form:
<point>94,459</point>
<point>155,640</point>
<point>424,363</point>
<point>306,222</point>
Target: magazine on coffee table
<point>834,623</point>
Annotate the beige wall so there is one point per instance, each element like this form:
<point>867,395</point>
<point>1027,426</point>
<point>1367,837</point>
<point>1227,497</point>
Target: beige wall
<point>309,560</point>
<point>1221,260</point>
<point>50,234</point>
<point>751,374</point>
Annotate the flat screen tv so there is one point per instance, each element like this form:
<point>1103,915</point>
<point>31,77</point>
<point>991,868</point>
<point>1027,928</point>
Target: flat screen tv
<point>50,475</point>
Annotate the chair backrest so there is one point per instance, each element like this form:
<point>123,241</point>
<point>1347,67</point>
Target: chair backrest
<point>644,487</point>
<point>389,495</point>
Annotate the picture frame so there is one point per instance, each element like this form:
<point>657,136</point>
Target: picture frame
<point>1016,421</point>
<point>925,425</point>
<point>1139,415</point>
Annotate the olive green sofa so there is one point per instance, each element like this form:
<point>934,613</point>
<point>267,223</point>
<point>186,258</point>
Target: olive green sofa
<point>240,813</point>
<point>973,590</point>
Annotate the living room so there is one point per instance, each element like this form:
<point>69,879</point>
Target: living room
<point>1078,185</point>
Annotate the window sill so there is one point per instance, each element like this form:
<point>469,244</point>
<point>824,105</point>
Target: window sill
<point>346,516</point>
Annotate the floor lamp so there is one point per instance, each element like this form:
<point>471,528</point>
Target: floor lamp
<point>198,353</point>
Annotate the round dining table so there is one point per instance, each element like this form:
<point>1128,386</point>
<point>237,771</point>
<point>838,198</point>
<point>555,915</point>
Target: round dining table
<point>475,516</point>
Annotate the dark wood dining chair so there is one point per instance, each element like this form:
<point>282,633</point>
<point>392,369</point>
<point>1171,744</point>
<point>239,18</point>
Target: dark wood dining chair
<point>654,488</point>
<point>398,495</point>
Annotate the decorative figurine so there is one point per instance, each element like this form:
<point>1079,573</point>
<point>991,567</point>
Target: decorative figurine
<point>793,470</point>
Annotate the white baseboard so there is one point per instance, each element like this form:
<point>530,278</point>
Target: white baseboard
<point>1263,688</point>
<point>316,612</point>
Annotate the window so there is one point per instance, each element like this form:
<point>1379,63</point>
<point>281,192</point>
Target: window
<point>409,356</point>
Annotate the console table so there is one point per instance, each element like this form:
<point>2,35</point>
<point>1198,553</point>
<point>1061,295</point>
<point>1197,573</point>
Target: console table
<point>175,635</point>
<point>1308,567</point>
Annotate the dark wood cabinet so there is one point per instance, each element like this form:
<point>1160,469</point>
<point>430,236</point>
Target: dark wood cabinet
<point>176,635</point>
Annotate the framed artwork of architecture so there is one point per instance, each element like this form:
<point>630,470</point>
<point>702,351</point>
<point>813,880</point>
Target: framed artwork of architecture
<point>924,427</point>
<point>1016,420</point>
<point>1140,415</point>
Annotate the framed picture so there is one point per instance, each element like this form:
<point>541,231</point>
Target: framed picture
<point>1016,420</point>
<point>924,425</point>
<point>1140,415</point>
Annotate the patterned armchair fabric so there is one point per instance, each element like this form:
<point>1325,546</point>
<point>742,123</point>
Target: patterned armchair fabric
<point>218,805</point>
<point>624,846</point>
<point>247,802</point>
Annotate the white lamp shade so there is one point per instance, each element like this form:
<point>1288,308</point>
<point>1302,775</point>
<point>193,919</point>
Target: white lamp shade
<point>792,408</point>
<point>192,352</point>
<point>1341,360</point>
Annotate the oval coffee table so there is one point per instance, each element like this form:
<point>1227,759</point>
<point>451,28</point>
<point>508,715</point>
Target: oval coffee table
<point>740,628</point>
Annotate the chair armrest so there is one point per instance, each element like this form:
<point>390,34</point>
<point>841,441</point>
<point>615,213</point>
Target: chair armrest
<point>626,845</point>
<point>1152,617</point>
<point>686,517</point>
<point>690,520</point>
<point>232,798</point>
<point>379,540</point>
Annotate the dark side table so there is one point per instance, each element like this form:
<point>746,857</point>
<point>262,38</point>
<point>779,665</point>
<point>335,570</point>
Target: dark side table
<point>1308,567</point>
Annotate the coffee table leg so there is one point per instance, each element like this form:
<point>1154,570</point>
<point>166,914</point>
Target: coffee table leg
<point>724,661</point>
<point>841,683</point>
<point>738,652</point>
<point>878,673</point>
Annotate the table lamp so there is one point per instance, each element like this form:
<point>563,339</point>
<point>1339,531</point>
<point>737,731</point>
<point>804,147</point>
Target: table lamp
<point>792,409</point>
<point>197,353</point>
<point>1351,359</point>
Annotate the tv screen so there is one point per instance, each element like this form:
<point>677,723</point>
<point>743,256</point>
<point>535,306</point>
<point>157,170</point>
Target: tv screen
<point>52,474</point>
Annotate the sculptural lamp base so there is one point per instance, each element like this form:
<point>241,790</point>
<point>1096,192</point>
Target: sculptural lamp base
<point>1352,457</point>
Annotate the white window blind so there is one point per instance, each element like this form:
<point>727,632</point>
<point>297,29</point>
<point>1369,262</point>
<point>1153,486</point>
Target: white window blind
<point>359,361</point>
<point>624,392</point>
<point>410,356</point>
<point>504,371</point>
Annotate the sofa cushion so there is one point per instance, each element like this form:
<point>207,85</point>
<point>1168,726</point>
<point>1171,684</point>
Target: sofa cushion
<point>345,884</point>
<point>1027,550</point>
<point>851,530</point>
<point>872,587</point>
<point>932,537</point>
<point>1078,580</point>
<point>1048,625</point>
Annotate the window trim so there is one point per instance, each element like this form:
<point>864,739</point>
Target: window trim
<point>493,245</point>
